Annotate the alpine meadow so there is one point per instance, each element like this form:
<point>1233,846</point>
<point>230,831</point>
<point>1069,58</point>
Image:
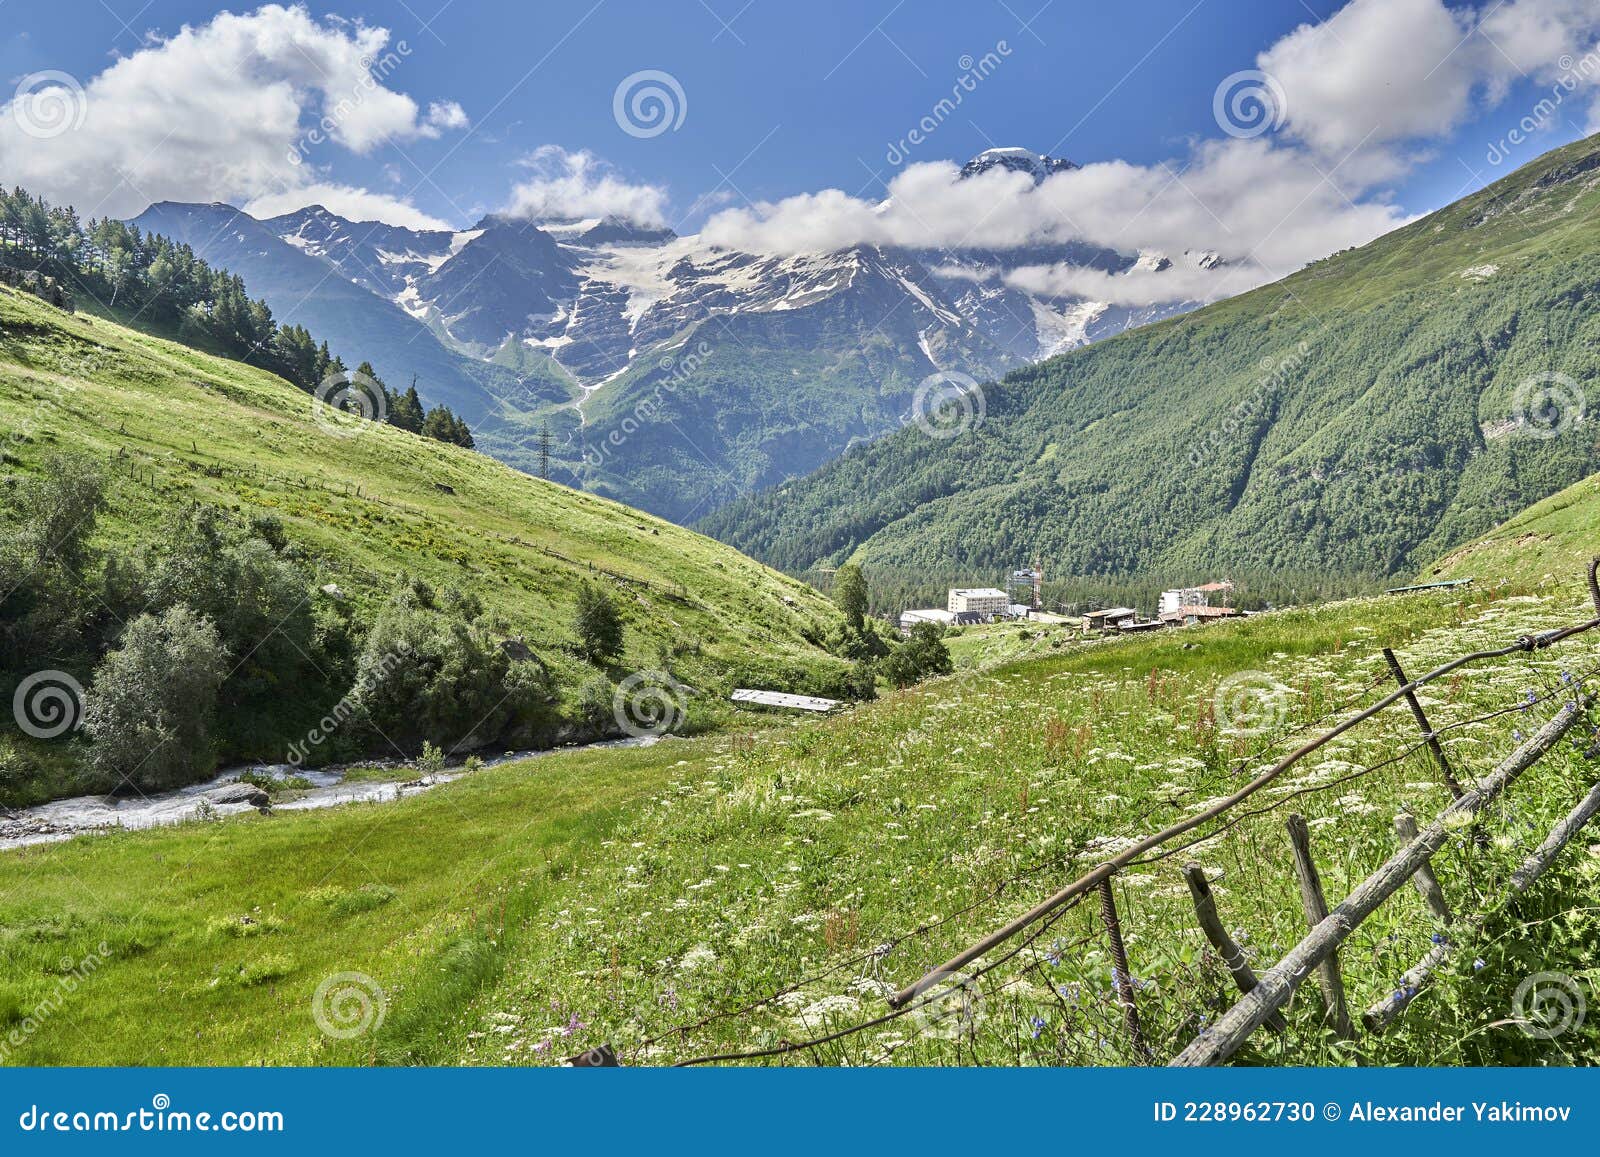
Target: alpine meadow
<point>888,537</point>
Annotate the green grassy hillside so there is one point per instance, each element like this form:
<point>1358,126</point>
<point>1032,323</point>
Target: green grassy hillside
<point>1358,418</point>
<point>1551,539</point>
<point>364,504</point>
<point>729,893</point>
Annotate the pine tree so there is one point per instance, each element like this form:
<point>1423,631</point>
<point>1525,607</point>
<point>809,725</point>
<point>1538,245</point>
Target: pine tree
<point>407,412</point>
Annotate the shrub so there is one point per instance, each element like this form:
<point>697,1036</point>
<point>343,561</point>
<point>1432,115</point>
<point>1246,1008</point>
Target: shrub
<point>257,599</point>
<point>428,673</point>
<point>596,702</point>
<point>152,703</point>
<point>274,785</point>
<point>597,624</point>
<point>921,656</point>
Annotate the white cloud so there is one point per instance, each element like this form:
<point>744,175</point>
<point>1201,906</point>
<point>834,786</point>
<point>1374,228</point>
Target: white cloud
<point>352,204</point>
<point>1367,93</point>
<point>1136,287</point>
<point>1384,77</point>
<point>1534,36</point>
<point>572,185</point>
<point>228,110</point>
<point>446,114</point>
<point>1375,72</point>
<point>1259,205</point>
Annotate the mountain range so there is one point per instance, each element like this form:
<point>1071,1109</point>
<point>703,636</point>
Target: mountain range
<point>1359,418</point>
<point>672,374</point>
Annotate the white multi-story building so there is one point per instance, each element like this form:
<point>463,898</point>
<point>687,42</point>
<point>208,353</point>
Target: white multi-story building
<point>986,602</point>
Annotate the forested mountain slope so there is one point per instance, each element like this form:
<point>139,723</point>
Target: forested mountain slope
<point>1361,417</point>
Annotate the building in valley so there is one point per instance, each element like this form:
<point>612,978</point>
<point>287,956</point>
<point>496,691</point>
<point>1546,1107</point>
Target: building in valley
<point>1190,605</point>
<point>985,602</point>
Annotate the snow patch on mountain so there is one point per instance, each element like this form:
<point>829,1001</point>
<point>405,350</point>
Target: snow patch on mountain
<point>599,294</point>
<point>1067,328</point>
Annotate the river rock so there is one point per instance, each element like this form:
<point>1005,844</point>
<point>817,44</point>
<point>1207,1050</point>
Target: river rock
<point>245,793</point>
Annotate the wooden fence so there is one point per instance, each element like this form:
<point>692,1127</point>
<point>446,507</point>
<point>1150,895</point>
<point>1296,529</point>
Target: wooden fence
<point>1264,995</point>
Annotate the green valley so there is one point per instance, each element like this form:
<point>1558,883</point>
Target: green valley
<point>729,893</point>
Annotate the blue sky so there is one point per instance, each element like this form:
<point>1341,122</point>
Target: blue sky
<point>783,100</point>
<point>835,91</point>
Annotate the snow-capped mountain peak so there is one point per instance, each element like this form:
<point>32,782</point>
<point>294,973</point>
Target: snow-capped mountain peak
<point>598,295</point>
<point>1017,160</point>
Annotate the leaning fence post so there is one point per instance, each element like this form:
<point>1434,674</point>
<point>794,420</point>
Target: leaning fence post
<point>1421,717</point>
<point>1205,911</point>
<point>1316,907</point>
<point>1121,978</point>
<point>1427,883</point>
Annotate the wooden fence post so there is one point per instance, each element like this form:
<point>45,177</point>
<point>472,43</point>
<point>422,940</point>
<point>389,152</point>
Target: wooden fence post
<point>1121,978</point>
<point>1574,822</point>
<point>1427,883</point>
<point>1279,982</point>
<point>1316,907</point>
<point>1426,728</point>
<point>1387,1010</point>
<point>1205,911</point>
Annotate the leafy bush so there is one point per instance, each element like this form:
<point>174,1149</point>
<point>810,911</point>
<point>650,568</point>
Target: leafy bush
<point>921,656</point>
<point>429,672</point>
<point>258,601</point>
<point>151,708</point>
<point>598,624</point>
